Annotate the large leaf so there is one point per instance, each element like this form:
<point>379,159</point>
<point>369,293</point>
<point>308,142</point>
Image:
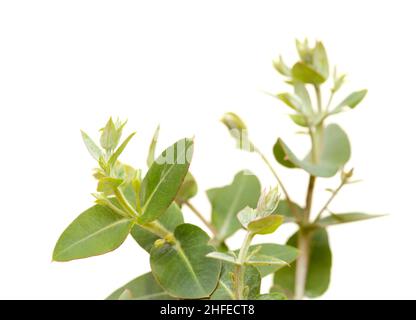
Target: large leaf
<point>335,153</point>
<point>287,254</point>
<point>96,231</point>
<point>182,268</point>
<point>339,218</point>
<point>225,289</point>
<point>319,270</point>
<point>163,180</point>
<point>227,201</point>
<point>170,220</point>
<point>144,287</point>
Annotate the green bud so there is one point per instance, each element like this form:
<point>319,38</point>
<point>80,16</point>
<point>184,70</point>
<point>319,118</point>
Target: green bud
<point>111,134</point>
<point>268,202</point>
<point>159,243</point>
<point>238,131</point>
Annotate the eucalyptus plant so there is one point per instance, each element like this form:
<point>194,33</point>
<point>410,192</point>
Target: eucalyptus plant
<point>328,155</point>
<point>186,262</point>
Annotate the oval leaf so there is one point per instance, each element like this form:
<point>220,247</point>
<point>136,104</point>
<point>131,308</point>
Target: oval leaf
<point>96,231</point>
<point>144,287</point>
<point>227,201</point>
<point>183,269</point>
<point>188,190</point>
<point>304,73</point>
<point>265,225</point>
<point>163,180</point>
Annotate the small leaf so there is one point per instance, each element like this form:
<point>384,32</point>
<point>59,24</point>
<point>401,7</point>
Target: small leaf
<point>287,254</point>
<point>340,218</point>
<point>281,67</point>
<point>96,231</point>
<point>280,155</point>
<point>265,260</point>
<point>265,225</point>
<point>299,119</point>
<point>227,201</point>
<point>183,269</point>
<point>108,184</point>
<point>120,149</point>
<point>271,296</point>
<point>170,219</point>
<point>152,147</point>
<point>238,131</point>
<point>291,101</point>
<point>226,288</point>
<point>306,74</point>
<point>302,93</point>
<point>110,136</point>
<point>320,60</point>
<point>92,148</point>
<point>351,101</point>
<point>223,256</point>
<point>335,153</point>
<point>319,271</point>
<point>188,189</point>
<point>144,287</point>
<point>163,180</point>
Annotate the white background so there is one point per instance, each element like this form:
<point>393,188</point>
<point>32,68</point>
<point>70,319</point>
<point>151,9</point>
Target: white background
<point>67,65</point>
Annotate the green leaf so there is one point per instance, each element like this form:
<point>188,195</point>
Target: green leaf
<point>351,101</point>
<point>188,190</point>
<point>320,60</point>
<point>339,218</point>
<point>299,119</point>
<point>280,155</point>
<point>144,287</point>
<point>108,184</point>
<point>126,295</point>
<point>265,225</point>
<point>304,73</point>
<point>290,100</point>
<point>182,268</point>
<point>335,153</point>
<point>261,260</point>
<point>287,254</point>
<point>110,136</point>
<point>152,147</point>
<point>170,219</point>
<point>224,256</point>
<point>96,231</point>
<point>319,271</point>
<point>281,67</point>
<point>227,201</point>
<point>120,149</point>
<point>302,93</point>
<point>271,296</point>
<point>238,130</point>
<point>163,180</point>
<point>92,148</point>
<point>225,289</point>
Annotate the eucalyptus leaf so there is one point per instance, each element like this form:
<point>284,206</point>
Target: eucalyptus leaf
<point>340,218</point>
<point>92,148</point>
<point>170,219</point>
<point>224,256</point>
<point>120,149</point>
<point>281,67</point>
<point>299,119</point>
<point>227,201</point>
<point>320,60</point>
<point>335,153</point>
<point>225,289</point>
<point>351,101</point>
<point>285,253</point>
<point>290,100</point>
<point>283,209</point>
<point>163,180</point>
<point>306,74</point>
<point>152,147</point>
<point>96,231</point>
<point>280,155</point>
<point>265,225</point>
<point>261,260</point>
<point>144,287</point>
<point>182,268</point>
<point>319,270</point>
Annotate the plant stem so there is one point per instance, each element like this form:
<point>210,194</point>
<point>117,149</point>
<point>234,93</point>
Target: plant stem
<point>158,229</point>
<point>240,268</point>
<point>125,204</point>
<point>318,97</point>
<point>201,217</point>
<point>328,202</point>
<point>292,207</point>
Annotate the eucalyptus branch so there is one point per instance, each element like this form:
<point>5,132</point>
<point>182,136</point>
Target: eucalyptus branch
<point>201,217</point>
<point>240,268</point>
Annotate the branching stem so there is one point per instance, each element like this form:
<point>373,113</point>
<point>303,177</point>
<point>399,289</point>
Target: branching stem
<point>240,268</point>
